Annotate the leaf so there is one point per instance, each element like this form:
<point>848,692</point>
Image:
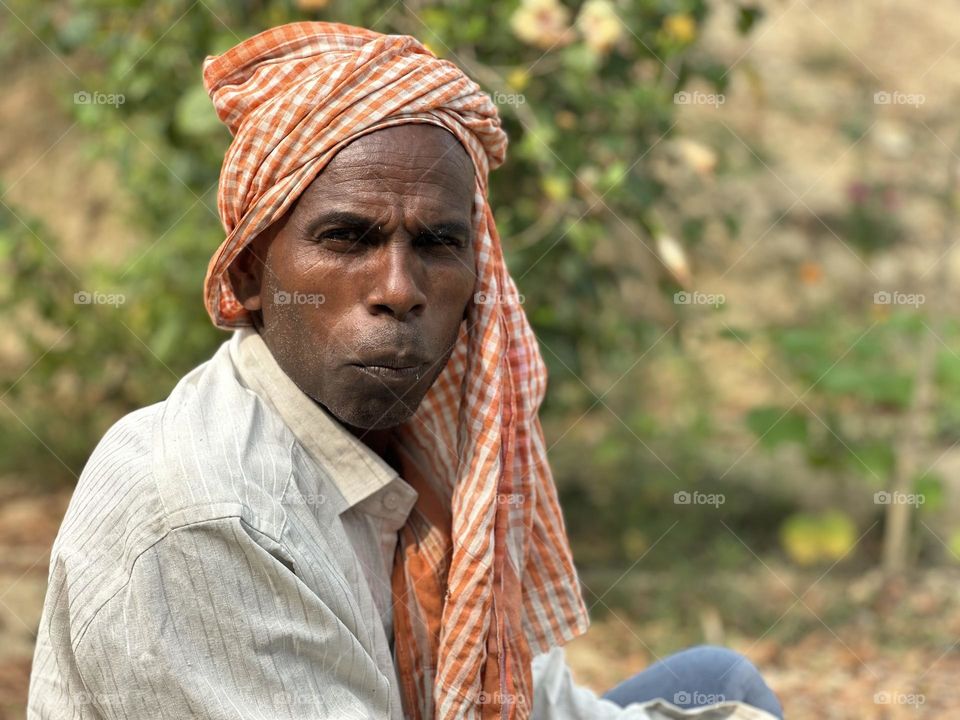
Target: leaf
<point>810,539</point>
<point>838,534</point>
<point>929,486</point>
<point>775,425</point>
<point>874,461</point>
<point>798,536</point>
<point>78,28</point>
<point>954,545</point>
<point>747,17</point>
<point>194,114</point>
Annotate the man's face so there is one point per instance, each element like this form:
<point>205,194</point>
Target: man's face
<point>363,285</point>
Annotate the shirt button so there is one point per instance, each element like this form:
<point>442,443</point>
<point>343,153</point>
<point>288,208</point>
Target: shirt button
<point>391,501</point>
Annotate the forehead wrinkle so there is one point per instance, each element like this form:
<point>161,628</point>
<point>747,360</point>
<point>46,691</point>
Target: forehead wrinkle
<point>373,168</point>
<point>433,171</point>
<point>442,200</point>
<point>426,195</point>
<point>369,151</point>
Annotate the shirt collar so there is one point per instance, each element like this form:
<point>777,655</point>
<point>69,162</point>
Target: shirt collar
<point>355,469</point>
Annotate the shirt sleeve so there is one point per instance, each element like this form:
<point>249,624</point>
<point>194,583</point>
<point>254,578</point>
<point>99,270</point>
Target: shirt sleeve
<point>557,697</point>
<point>215,624</point>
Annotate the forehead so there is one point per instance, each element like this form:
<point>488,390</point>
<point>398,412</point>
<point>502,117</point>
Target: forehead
<point>419,161</point>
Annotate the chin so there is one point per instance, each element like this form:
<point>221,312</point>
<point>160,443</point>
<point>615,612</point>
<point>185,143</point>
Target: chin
<point>376,415</point>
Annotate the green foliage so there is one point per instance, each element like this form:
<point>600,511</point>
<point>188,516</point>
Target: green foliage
<point>774,425</point>
<point>575,193</point>
<point>844,371</point>
<point>579,193</point>
<point>584,119</point>
<point>854,383</point>
<point>871,223</point>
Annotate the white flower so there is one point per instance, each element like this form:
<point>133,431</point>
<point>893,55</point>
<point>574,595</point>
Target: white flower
<point>543,23</point>
<point>696,156</point>
<point>674,258</point>
<point>600,25</point>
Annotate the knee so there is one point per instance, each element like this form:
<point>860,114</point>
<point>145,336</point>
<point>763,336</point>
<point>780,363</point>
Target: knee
<point>733,676</point>
<point>724,666</point>
<point>718,655</point>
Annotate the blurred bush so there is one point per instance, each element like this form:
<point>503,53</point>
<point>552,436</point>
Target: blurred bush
<point>595,230</point>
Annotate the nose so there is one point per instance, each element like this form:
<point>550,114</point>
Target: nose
<point>396,287</point>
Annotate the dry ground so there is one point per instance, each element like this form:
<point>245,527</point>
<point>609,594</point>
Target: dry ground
<point>833,671</point>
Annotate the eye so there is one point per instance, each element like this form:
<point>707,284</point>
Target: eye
<point>344,239</point>
<point>440,239</point>
<point>342,234</point>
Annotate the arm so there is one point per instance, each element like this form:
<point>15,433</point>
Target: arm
<point>214,625</point>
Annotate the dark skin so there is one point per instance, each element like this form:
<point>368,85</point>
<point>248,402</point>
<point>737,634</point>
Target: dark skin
<point>360,289</point>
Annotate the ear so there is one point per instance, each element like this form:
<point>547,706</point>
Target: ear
<point>246,272</point>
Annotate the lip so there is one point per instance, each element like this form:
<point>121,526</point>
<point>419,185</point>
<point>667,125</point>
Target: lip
<point>392,366</point>
<point>386,372</point>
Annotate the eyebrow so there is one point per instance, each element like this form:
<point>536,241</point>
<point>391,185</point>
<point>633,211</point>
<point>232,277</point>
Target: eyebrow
<point>345,218</point>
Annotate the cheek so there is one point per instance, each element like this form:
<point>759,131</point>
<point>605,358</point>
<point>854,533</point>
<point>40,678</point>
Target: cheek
<point>308,270</point>
<point>300,295</point>
<point>454,288</point>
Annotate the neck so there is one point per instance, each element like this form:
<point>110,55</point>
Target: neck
<point>376,440</point>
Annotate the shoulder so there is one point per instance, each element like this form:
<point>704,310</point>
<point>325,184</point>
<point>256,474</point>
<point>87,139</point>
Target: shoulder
<point>211,450</point>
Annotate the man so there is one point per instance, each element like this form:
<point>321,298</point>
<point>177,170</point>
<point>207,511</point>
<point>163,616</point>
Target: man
<point>347,512</point>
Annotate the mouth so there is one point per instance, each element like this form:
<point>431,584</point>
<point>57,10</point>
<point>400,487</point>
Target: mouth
<point>388,372</point>
<point>392,366</point>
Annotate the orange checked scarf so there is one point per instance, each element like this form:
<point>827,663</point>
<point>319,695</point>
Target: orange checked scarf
<point>483,576</point>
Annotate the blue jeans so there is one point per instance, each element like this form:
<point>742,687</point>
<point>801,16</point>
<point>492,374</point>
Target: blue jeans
<point>699,676</point>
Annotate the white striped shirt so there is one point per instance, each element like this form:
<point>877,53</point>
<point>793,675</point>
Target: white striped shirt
<point>227,554</point>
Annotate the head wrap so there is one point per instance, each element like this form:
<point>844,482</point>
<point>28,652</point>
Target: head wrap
<point>483,576</point>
